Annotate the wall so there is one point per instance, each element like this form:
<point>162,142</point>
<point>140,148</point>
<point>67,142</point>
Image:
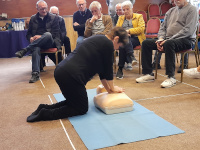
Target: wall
<point>26,8</point>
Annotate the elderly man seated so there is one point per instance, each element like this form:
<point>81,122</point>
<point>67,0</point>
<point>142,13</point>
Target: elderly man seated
<point>177,33</point>
<point>99,23</point>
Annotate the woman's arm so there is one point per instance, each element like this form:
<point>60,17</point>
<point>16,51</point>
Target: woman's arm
<point>109,86</point>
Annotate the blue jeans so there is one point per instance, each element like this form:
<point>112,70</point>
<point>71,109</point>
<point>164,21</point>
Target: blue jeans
<point>79,40</point>
<point>44,42</point>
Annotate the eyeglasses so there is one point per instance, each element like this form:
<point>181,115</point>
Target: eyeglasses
<point>81,4</point>
<point>45,8</point>
<point>118,10</point>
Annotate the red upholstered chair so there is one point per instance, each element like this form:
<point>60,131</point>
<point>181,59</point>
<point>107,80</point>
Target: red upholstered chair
<point>164,7</point>
<point>153,26</point>
<point>55,51</point>
<point>144,15</point>
<point>154,11</point>
<point>195,51</point>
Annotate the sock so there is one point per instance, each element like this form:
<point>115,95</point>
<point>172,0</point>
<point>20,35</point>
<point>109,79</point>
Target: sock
<point>43,115</point>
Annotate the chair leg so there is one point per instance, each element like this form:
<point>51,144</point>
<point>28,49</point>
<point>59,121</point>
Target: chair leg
<point>140,61</point>
<point>56,55</point>
<point>182,66</point>
<point>156,65</point>
<point>177,58</point>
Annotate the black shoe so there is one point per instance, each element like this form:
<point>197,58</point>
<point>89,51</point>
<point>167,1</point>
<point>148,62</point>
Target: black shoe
<point>119,74</point>
<point>154,66</point>
<point>35,77</point>
<point>42,70</point>
<point>21,53</point>
<point>179,69</point>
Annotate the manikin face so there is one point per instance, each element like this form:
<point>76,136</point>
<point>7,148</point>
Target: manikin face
<point>127,11</point>
<point>119,10</point>
<point>180,3</point>
<point>96,12</point>
<point>42,9</point>
<point>81,4</point>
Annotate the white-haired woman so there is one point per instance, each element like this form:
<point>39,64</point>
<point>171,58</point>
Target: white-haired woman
<point>99,23</point>
<point>135,26</point>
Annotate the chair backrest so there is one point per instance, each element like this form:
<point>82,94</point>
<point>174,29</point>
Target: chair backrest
<point>153,10</point>
<point>164,7</point>
<point>153,25</point>
<point>144,15</point>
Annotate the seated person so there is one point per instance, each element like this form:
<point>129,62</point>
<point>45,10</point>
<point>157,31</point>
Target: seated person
<point>193,72</point>
<point>65,40</point>
<point>99,23</point>
<point>119,12</point>
<point>79,19</point>
<point>160,54</point>
<point>177,33</point>
<point>135,26</point>
<point>112,3</point>
<point>43,33</point>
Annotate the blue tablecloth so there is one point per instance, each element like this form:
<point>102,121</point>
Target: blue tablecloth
<point>11,42</point>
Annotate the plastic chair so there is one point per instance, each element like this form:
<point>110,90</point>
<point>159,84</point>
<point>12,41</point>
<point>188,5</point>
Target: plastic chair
<point>164,7</point>
<point>153,26</point>
<point>195,50</point>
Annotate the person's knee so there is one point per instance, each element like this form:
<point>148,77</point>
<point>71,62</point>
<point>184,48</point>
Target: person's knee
<point>147,42</point>
<point>84,110</point>
<point>47,34</point>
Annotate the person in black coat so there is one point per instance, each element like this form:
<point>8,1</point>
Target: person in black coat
<point>65,40</point>
<point>43,33</point>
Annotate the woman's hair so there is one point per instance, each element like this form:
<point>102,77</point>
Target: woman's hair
<point>127,3</point>
<point>95,4</point>
<point>121,33</point>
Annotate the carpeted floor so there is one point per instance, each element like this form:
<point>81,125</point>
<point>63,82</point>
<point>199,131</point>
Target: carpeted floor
<point>180,105</point>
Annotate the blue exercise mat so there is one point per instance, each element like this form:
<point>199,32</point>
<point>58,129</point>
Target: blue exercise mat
<point>98,130</point>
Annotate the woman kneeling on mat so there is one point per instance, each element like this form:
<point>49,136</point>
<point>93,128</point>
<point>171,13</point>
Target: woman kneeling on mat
<point>94,55</point>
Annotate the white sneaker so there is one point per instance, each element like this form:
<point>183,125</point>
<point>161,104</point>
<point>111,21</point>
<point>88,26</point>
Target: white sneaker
<point>145,78</point>
<point>134,62</point>
<point>129,66</point>
<point>168,83</point>
<point>193,73</point>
